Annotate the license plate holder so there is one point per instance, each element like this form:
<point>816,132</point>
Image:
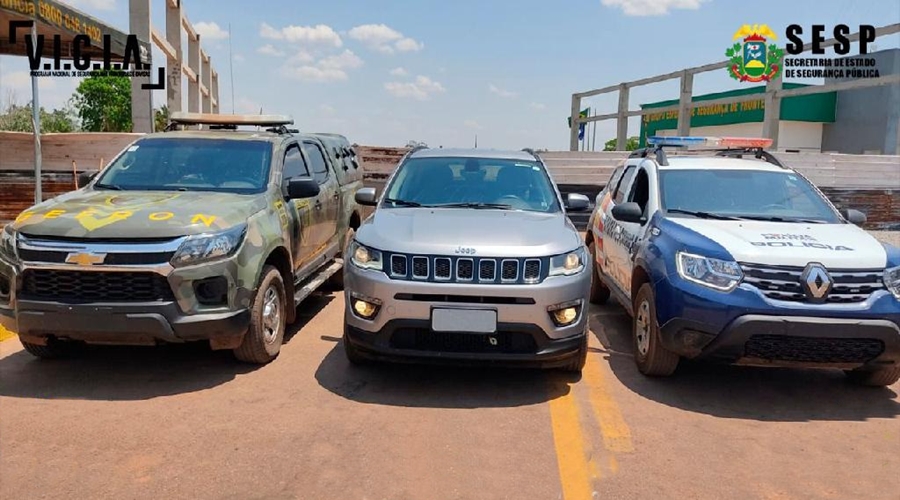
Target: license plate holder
<point>464,320</point>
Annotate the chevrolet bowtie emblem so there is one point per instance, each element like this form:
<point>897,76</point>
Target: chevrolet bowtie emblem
<point>85,258</point>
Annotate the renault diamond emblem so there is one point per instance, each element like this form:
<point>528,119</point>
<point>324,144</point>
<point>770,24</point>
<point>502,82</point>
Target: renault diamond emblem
<point>85,258</point>
<point>816,281</point>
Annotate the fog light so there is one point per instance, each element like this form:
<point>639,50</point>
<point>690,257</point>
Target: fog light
<point>365,307</point>
<point>566,313</point>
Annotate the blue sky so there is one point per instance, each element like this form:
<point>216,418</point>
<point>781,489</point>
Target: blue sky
<point>442,71</point>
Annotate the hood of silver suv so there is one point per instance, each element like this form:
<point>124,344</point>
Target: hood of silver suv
<point>451,231</point>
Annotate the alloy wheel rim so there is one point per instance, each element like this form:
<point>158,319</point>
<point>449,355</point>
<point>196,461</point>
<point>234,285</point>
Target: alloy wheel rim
<point>271,315</point>
<point>642,328</point>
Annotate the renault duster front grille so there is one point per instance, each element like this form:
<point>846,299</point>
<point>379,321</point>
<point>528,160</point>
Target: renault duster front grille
<point>813,349</point>
<point>784,283</point>
<point>92,286</point>
<point>487,270</point>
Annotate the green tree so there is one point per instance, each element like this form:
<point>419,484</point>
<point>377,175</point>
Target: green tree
<point>103,103</point>
<point>630,145</point>
<point>161,118</point>
<point>16,118</point>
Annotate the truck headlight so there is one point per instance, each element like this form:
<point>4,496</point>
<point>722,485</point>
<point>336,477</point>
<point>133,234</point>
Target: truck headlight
<point>567,264</point>
<point>204,247</point>
<point>892,281</point>
<point>8,242</point>
<point>364,257</point>
<point>722,275</point>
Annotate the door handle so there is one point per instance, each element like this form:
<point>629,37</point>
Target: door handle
<point>335,196</point>
<point>318,205</point>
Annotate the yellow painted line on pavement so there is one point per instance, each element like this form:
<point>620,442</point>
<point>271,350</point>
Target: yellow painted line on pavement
<point>5,334</point>
<point>569,441</point>
<point>616,433</point>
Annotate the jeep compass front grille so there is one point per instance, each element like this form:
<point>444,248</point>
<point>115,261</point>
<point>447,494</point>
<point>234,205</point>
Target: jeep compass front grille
<point>784,283</point>
<point>90,286</point>
<point>445,269</point>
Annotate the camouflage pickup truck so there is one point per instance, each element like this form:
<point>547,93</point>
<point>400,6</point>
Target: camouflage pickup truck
<point>214,235</point>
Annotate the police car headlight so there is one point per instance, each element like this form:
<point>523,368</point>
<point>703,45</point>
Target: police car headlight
<point>364,257</point>
<point>721,275</point>
<point>8,242</point>
<point>892,280</point>
<point>205,247</point>
<point>567,264</point>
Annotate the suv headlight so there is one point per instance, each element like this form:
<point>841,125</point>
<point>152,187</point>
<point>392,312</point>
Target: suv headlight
<point>204,247</point>
<point>567,264</point>
<point>8,242</point>
<point>721,275</point>
<point>892,281</point>
<point>364,257</point>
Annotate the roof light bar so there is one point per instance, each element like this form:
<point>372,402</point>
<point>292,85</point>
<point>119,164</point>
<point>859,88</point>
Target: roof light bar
<point>218,119</point>
<point>723,142</point>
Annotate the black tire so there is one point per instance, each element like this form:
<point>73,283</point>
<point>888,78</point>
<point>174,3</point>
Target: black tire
<point>55,349</point>
<point>353,355</point>
<point>651,357</point>
<point>578,360</point>
<point>599,291</point>
<point>337,280</point>
<point>263,339</point>
<point>881,377</point>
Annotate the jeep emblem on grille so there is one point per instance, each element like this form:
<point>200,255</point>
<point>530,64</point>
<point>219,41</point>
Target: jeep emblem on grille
<point>816,281</point>
<point>85,258</point>
<point>465,250</point>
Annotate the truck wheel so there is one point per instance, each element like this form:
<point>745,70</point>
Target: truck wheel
<point>55,349</point>
<point>599,292</point>
<point>263,339</point>
<point>353,355</point>
<point>337,280</point>
<point>881,377</point>
<point>578,360</point>
<point>651,357</point>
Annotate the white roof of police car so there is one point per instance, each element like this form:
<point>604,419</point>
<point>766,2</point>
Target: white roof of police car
<point>688,162</point>
<point>473,153</point>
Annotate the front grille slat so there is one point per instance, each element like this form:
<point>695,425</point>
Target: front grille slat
<point>95,286</point>
<point>465,269</point>
<point>453,269</point>
<point>784,283</point>
<point>398,265</point>
<point>111,259</point>
<point>420,267</point>
<point>509,270</point>
<point>813,349</point>
<point>442,268</point>
<point>487,270</point>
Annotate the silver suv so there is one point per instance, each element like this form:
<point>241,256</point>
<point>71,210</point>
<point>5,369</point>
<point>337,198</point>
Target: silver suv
<point>469,256</point>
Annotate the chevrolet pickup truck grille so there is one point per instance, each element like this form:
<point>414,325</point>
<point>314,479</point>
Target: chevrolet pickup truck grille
<point>484,270</point>
<point>784,283</point>
<point>92,286</point>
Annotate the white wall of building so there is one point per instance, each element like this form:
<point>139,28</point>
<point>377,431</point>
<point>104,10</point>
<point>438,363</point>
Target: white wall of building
<point>794,136</point>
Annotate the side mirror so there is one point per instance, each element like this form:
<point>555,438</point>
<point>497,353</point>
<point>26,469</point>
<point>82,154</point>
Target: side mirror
<point>577,202</point>
<point>302,187</point>
<point>85,178</point>
<point>854,216</point>
<point>628,212</point>
<point>366,197</point>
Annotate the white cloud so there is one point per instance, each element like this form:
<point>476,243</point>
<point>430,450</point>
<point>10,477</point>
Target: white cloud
<point>385,39</point>
<point>652,7</point>
<point>210,31</point>
<point>472,124</point>
<point>422,89</point>
<point>269,50</point>
<point>538,106</point>
<point>318,35</point>
<point>329,69</point>
<point>301,56</point>
<point>93,4</point>
<point>506,94</point>
<point>15,88</point>
<point>399,72</point>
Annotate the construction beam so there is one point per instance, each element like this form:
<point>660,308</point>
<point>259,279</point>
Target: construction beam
<point>574,122</point>
<point>206,79</point>
<point>622,119</point>
<point>175,61</point>
<point>684,103</point>
<point>194,66</point>
<point>141,100</point>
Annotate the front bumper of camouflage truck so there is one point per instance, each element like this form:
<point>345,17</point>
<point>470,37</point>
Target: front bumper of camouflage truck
<point>62,290</point>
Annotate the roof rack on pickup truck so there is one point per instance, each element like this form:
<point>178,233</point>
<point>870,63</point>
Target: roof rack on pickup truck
<point>230,121</point>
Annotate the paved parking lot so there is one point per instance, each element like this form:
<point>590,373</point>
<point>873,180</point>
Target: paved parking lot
<point>184,422</point>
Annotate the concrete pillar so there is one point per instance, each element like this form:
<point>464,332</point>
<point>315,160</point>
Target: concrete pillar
<point>207,83</point>
<point>194,64</point>
<point>573,128</point>
<point>684,103</point>
<point>214,91</point>
<point>173,36</point>
<point>772,114</point>
<point>622,119</point>
<point>141,100</point>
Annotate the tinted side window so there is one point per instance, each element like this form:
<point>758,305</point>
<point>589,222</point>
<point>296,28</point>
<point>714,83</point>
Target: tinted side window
<point>619,196</point>
<point>614,179</point>
<point>317,160</point>
<point>640,191</point>
<point>294,166</point>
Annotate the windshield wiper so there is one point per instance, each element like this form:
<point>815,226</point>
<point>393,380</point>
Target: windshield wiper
<point>112,187</point>
<point>702,215</point>
<point>500,206</point>
<point>402,203</point>
<point>775,218</point>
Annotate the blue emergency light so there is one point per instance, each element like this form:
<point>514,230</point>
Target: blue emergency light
<point>722,142</point>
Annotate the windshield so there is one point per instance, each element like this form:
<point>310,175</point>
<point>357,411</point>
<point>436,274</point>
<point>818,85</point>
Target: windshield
<point>191,164</point>
<point>472,182</point>
<point>749,194</point>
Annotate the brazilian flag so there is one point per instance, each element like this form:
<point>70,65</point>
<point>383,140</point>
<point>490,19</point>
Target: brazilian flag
<point>583,114</point>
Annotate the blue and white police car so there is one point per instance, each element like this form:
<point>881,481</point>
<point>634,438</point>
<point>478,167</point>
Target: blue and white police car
<point>727,254</point>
